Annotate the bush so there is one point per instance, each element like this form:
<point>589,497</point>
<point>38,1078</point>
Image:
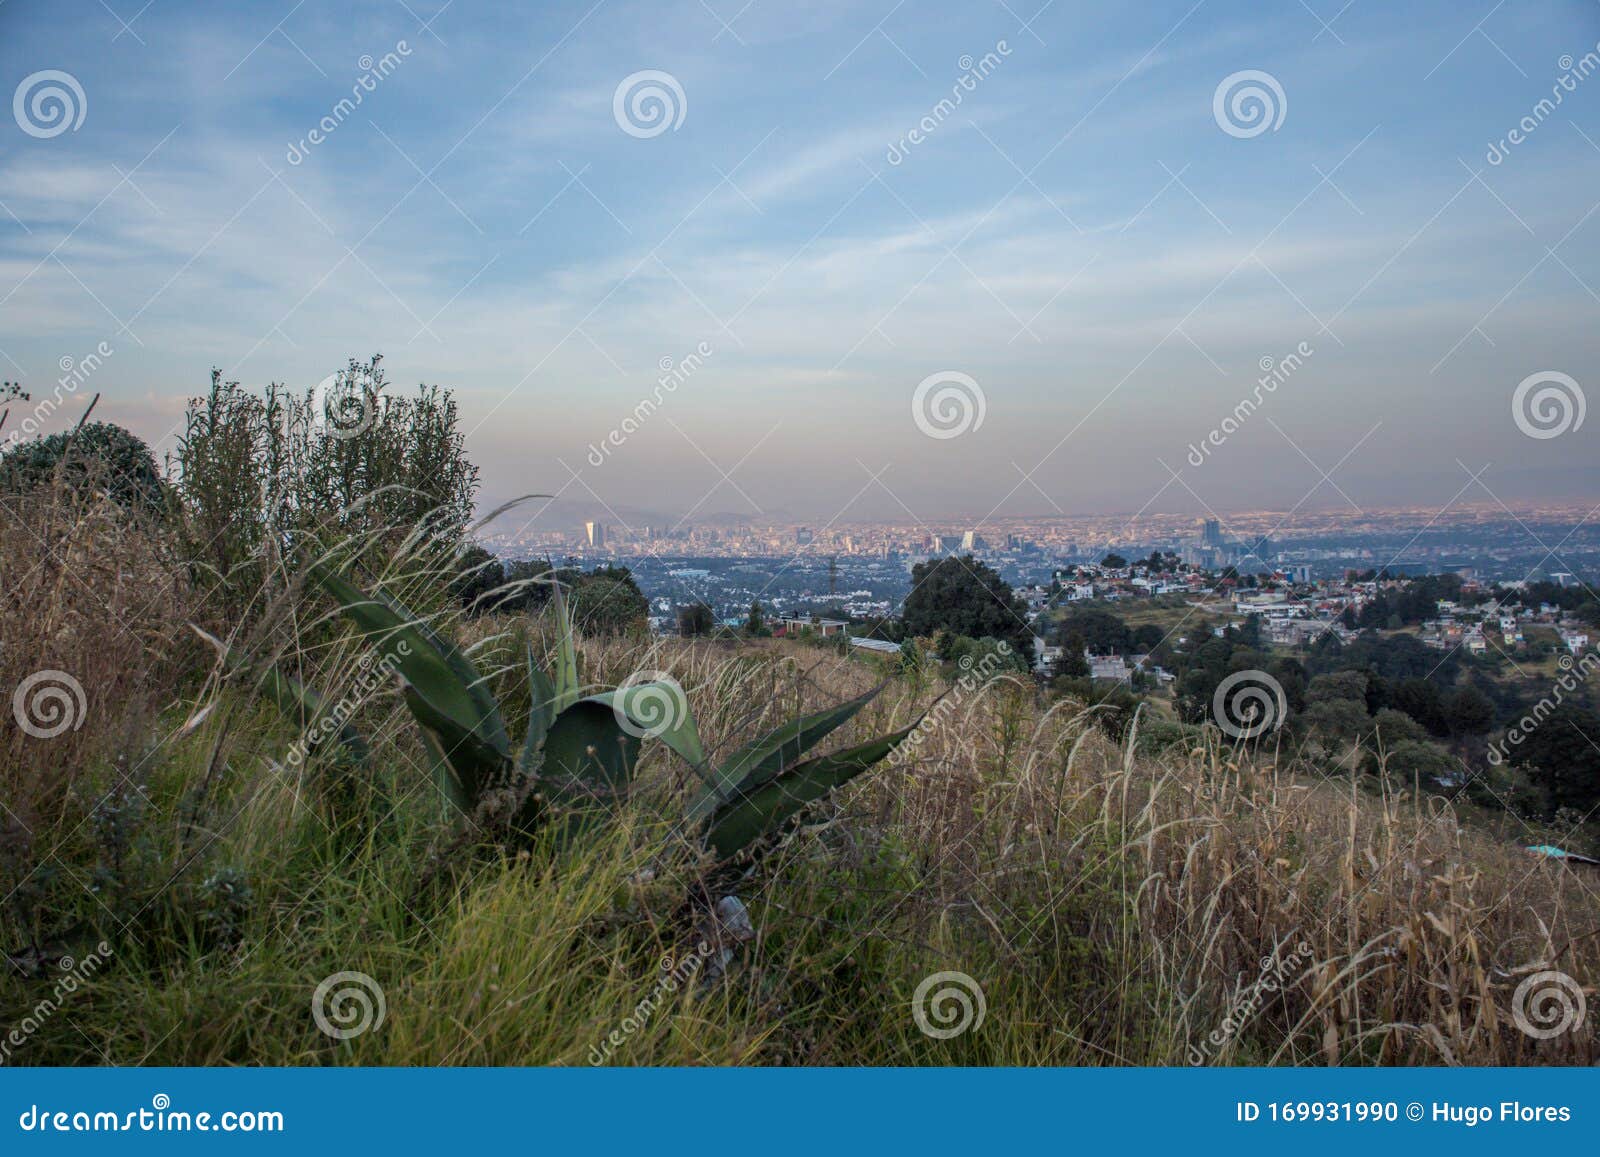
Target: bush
<point>99,454</point>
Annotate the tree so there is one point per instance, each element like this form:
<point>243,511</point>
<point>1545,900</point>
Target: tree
<point>271,474</point>
<point>1071,664</point>
<point>1338,685</point>
<point>1114,562</point>
<point>1468,711</point>
<point>98,454</point>
<point>696,619</point>
<point>966,597</point>
<point>607,602</point>
<point>1562,757</point>
<point>756,625</point>
<point>477,574</point>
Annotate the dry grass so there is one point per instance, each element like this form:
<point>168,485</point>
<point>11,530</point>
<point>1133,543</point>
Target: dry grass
<point>1115,904</point>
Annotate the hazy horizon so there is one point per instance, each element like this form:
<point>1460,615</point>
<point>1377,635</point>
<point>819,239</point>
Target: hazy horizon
<point>1099,251</point>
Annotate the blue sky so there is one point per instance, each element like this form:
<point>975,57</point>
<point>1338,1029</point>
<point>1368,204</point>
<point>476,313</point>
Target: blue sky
<point>1081,237</point>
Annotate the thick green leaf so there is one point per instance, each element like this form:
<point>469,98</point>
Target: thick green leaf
<point>566,680</point>
<point>588,757</point>
<point>444,690</point>
<point>541,711</point>
<point>444,773</point>
<point>742,821</point>
<point>760,760</point>
<point>659,710</point>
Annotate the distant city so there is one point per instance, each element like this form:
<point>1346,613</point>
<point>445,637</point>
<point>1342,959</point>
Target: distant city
<point>864,569</point>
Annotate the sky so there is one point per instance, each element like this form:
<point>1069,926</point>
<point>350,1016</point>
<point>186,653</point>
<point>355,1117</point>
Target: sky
<point>906,259</point>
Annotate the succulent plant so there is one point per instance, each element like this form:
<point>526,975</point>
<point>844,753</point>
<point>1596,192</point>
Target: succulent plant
<point>577,751</point>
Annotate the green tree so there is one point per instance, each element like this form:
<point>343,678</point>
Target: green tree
<point>966,598</point>
<point>98,454</point>
<point>696,619</point>
<point>1563,757</point>
<point>1468,711</point>
<point>756,625</point>
<point>477,574</point>
<point>607,602</point>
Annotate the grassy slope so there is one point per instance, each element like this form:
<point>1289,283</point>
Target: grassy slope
<point>1114,905</point>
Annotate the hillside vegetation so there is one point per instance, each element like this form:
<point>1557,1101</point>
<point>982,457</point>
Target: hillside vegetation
<point>188,876</point>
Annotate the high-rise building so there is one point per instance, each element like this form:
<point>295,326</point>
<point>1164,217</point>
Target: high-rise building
<point>594,534</point>
<point>1211,532</point>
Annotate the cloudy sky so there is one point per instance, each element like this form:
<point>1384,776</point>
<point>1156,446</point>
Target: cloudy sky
<point>1057,211</point>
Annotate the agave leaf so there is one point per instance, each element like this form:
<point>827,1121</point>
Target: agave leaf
<point>740,822</point>
<point>566,680</point>
<point>761,759</point>
<point>641,703</point>
<point>541,713</point>
<point>443,688</point>
<point>588,757</point>
<point>444,772</point>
